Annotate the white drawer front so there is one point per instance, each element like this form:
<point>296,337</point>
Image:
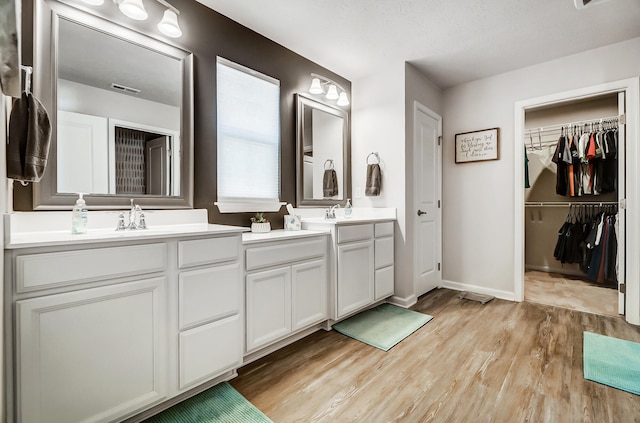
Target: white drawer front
<point>38,271</point>
<point>281,253</point>
<point>384,229</point>
<point>350,233</point>
<point>384,252</point>
<point>210,350</point>
<point>384,283</point>
<point>208,294</point>
<point>207,251</point>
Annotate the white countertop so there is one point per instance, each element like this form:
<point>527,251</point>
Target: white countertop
<point>358,215</point>
<point>279,235</point>
<point>43,229</point>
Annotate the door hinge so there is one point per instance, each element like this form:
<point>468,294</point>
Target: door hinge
<point>623,204</point>
<point>439,139</point>
<point>438,203</point>
<point>622,288</point>
<point>622,119</point>
<point>438,266</point>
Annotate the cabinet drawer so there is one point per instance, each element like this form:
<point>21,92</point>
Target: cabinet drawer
<point>384,283</point>
<point>384,252</point>
<point>208,294</point>
<point>210,350</point>
<point>38,271</point>
<point>354,233</point>
<point>207,251</point>
<point>281,253</point>
<point>384,229</point>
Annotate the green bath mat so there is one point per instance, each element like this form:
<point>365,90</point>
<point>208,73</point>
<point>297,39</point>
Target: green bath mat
<point>612,361</point>
<point>220,404</point>
<point>382,326</point>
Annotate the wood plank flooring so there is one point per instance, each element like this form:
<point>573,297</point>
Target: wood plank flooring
<point>499,362</point>
<point>570,292</point>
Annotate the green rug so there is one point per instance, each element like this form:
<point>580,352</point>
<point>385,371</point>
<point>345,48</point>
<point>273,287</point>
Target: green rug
<point>612,361</point>
<point>220,404</point>
<point>382,326</point>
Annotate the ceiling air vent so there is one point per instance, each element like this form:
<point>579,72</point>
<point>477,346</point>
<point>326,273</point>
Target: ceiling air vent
<point>581,4</point>
<point>124,88</point>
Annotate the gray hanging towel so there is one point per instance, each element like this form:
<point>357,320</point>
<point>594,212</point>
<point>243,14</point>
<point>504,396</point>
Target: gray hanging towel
<point>374,180</point>
<point>330,183</point>
<point>29,139</point>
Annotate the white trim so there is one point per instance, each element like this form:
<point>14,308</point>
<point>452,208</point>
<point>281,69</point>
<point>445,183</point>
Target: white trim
<point>248,206</point>
<point>631,87</point>
<point>457,286</point>
<point>417,106</point>
<point>405,302</point>
<point>233,65</point>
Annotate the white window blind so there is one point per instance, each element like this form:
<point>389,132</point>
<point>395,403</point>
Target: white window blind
<point>248,120</point>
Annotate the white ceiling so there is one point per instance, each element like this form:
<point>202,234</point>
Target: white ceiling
<point>450,41</point>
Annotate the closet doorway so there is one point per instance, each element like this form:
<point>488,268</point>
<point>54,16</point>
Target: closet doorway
<point>623,203</point>
<point>571,204</point>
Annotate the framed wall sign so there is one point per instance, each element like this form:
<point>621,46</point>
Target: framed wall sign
<point>477,146</point>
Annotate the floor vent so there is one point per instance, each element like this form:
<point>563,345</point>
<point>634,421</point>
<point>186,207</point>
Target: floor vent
<point>481,298</point>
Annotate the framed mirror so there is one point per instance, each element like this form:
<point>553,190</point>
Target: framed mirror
<point>121,108</point>
<point>323,153</point>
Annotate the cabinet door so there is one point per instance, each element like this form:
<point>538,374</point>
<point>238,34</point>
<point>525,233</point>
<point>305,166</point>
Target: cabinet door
<point>355,276</point>
<point>91,355</point>
<point>384,283</point>
<point>268,306</point>
<point>309,293</point>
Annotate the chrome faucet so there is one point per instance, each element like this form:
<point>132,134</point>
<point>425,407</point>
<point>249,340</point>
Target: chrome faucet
<point>331,212</point>
<point>134,212</point>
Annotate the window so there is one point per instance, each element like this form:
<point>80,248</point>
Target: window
<point>248,122</point>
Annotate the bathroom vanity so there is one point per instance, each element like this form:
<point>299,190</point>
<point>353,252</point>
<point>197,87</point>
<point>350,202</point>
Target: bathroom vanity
<point>107,324</point>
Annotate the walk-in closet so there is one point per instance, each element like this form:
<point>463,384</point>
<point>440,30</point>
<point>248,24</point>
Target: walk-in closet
<point>574,233</point>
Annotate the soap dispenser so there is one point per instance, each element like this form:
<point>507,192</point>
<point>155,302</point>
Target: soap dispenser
<point>79,217</point>
<point>347,208</point>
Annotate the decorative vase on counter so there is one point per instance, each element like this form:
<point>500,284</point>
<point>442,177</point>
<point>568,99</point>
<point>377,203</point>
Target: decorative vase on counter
<point>260,227</point>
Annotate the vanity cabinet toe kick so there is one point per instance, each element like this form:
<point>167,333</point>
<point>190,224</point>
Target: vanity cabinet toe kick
<point>150,320</point>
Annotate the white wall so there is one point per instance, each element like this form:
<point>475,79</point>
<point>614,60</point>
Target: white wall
<point>79,98</point>
<point>380,112</point>
<point>478,198</point>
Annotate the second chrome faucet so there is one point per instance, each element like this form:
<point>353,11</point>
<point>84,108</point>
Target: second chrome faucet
<point>136,219</point>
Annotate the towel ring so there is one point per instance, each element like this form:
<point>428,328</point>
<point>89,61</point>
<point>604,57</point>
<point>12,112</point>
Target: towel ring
<point>330,161</point>
<point>377,157</point>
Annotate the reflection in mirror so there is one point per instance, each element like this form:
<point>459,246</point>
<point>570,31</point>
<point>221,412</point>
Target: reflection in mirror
<point>123,113</point>
<point>322,153</point>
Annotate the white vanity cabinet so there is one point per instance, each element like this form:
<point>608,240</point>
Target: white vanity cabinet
<point>361,270</point>
<point>286,287</point>
<point>102,331</point>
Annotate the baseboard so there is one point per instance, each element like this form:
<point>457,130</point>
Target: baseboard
<point>405,302</point>
<point>457,286</point>
<point>561,271</point>
<point>264,351</point>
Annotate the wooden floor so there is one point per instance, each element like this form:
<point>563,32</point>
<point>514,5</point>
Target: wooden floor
<point>570,292</point>
<point>499,362</point>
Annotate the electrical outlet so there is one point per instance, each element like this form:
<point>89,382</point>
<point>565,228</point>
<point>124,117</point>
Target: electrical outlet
<point>358,192</point>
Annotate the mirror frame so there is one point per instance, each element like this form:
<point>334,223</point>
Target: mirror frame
<point>47,15</point>
<point>304,100</point>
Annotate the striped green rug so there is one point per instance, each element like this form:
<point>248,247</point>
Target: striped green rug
<point>383,326</point>
<point>612,361</point>
<point>220,404</point>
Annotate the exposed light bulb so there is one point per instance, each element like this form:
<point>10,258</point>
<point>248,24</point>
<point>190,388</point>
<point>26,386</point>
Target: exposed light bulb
<point>169,24</point>
<point>315,87</point>
<point>133,9</point>
<point>332,94</point>
<point>343,100</point>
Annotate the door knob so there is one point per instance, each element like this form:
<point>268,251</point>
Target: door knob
<point>420,212</point>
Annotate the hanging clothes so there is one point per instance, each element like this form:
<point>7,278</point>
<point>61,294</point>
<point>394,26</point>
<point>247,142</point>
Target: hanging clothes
<point>526,169</point>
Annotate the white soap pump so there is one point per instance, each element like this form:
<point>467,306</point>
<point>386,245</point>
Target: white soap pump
<point>79,217</point>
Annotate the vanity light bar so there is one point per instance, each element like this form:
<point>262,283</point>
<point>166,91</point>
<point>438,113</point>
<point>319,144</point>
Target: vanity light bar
<point>124,88</point>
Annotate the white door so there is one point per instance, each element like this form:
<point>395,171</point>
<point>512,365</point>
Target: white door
<point>158,165</point>
<point>82,151</point>
<point>91,355</point>
<point>308,293</point>
<point>621,198</point>
<point>355,276</point>
<point>427,188</point>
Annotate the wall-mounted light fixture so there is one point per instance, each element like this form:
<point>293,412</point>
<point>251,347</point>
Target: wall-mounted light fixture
<point>135,10</point>
<point>318,84</point>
